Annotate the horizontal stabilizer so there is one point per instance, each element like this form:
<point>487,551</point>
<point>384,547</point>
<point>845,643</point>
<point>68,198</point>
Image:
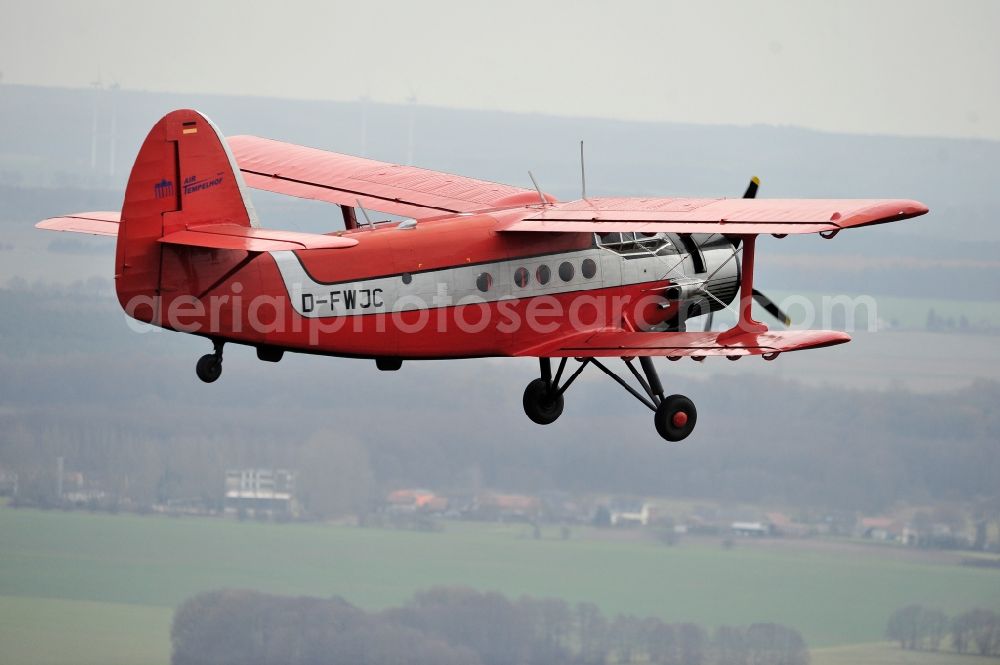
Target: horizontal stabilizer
<point>103,223</point>
<point>612,344</point>
<point>232,236</point>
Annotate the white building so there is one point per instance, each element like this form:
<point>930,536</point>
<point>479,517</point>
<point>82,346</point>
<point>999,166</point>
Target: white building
<point>751,529</point>
<point>258,491</point>
<point>624,512</point>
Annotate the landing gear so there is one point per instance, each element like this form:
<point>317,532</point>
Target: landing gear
<point>542,404</point>
<point>675,416</point>
<point>209,367</point>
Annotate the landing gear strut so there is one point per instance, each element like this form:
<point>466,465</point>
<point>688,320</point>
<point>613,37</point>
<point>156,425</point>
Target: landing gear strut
<point>674,416</point>
<point>209,367</point>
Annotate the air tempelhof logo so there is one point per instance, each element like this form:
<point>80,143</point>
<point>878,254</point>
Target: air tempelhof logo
<point>163,189</point>
<point>192,184</point>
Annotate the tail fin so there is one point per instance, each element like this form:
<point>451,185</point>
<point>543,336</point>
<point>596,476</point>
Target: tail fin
<point>184,177</point>
<point>185,195</point>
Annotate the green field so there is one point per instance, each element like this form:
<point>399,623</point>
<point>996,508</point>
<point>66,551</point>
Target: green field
<point>884,653</point>
<point>77,587</point>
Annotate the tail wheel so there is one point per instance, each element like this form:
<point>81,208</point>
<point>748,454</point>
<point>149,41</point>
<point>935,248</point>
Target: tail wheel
<point>675,418</point>
<point>541,404</point>
<point>209,367</point>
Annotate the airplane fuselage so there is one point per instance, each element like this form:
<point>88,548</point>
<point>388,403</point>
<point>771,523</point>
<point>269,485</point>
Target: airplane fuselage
<point>454,287</point>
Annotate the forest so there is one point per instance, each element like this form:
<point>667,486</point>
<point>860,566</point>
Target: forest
<point>919,628</point>
<point>459,626</point>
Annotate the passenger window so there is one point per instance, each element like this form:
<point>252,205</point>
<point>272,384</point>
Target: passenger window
<point>566,271</point>
<point>521,277</point>
<point>484,282</point>
<point>543,274</point>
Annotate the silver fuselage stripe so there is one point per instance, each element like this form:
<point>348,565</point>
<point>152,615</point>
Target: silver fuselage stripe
<point>458,285</point>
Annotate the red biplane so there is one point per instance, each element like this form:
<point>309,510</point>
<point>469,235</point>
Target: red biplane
<point>475,269</point>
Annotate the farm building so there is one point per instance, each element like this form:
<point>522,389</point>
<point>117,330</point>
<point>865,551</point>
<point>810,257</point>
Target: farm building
<point>261,491</point>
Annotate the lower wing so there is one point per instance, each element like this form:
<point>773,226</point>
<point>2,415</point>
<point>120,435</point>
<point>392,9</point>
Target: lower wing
<point>608,344</point>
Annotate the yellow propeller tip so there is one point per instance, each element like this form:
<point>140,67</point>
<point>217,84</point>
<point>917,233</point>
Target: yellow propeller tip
<point>755,180</point>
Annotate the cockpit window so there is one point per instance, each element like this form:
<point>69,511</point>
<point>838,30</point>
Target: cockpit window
<point>635,244</point>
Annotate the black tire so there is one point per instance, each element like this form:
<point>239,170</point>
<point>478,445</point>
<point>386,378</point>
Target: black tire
<point>387,364</point>
<point>666,418</point>
<point>209,368</point>
<point>540,404</point>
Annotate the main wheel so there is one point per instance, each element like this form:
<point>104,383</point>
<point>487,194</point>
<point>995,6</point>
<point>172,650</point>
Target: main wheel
<point>209,367</point>
<point>675,418</point>
<point>541,404</point>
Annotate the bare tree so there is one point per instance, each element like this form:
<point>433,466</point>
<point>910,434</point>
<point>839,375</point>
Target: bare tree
<point>592,634</point>
<point>904,626</point>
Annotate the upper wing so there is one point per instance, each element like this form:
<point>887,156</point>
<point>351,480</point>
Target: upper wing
<point>104,223</point>
<point>309,173</point>
<point>730,216</point>
<point>602,344</point>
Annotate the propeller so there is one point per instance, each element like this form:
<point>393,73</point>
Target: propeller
<point>761,299</point>
<point>769,306</point>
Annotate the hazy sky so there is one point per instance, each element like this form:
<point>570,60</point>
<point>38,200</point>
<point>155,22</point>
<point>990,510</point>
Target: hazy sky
<point>901,67</point>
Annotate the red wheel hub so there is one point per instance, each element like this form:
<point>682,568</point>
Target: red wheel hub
<point>679,419</point>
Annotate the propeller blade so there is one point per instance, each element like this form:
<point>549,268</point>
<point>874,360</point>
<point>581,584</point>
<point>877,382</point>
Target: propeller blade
<point>708,320</point>
<point>771,308</point>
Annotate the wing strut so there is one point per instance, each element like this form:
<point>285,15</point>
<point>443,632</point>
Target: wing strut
<point>350,218</point>
<point>746,323</point>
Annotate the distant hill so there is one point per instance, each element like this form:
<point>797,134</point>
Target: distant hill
<point>47,132</point>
